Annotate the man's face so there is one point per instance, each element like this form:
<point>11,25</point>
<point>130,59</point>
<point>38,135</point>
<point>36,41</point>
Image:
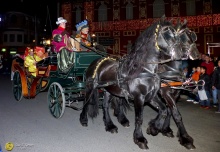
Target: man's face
<point>85,30</point>
<point>203,56</point>
<point>39,53</point>
<point>63,25</point>
<point>207,58</point>
<point>202,70</point>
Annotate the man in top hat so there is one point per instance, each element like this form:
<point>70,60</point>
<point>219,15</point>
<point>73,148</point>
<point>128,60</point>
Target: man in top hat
<point>63,45</point>
<point>83,38</point>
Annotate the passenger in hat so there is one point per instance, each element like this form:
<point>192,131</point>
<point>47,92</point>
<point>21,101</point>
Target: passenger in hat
<point>83,37</point>
<point>32,56</point>
<point>64,45</point>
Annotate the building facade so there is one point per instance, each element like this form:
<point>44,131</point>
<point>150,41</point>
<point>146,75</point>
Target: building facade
<point>17,31</point>
<point>124,20</point>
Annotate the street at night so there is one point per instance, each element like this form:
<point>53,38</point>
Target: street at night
<point>29,125</point>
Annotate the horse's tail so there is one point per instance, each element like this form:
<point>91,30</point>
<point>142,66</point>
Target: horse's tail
<point>93,103</point>
<point>118,103</point>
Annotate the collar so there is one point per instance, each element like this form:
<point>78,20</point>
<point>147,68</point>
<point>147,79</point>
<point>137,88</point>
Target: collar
<point>61,28</point>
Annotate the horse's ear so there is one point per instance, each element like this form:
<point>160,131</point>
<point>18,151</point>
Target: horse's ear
<point>184,23</point>
<point>178,25</point>
<point>162,19</point>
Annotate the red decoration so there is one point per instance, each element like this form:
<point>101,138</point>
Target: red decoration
<point>193,21</point>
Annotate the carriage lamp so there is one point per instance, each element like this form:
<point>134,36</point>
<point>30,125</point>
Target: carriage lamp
<point>93,40</point>
<point>46,42</point>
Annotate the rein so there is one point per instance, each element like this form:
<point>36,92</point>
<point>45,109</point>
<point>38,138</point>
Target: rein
<point>94,49</point>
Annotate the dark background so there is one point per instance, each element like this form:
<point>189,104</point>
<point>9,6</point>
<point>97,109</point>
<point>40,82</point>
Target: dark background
<point>44,10</point>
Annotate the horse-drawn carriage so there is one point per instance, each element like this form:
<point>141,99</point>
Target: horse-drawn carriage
<point>63,88</point>
<point>147,74</point>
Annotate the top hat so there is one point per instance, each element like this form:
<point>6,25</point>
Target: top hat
<point>60,20</point>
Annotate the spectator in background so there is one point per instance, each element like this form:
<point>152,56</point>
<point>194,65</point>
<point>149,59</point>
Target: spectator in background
<point>203,56</point>
<point>206,78</point>
<point>208,64</point>
<point>194,77</point>
<point>216,86</point>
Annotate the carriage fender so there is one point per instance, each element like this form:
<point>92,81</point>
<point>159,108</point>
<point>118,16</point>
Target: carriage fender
<point>23,80</point>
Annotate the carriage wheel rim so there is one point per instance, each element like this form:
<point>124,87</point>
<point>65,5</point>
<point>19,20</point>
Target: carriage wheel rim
<point>56,100</point>
<point>17,87</point>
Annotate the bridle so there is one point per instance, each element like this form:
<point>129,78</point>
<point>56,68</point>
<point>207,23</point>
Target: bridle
<point>166,40</point>
<point>187,38</point>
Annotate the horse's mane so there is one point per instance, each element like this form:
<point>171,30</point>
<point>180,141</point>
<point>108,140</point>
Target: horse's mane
<point>143,50</point>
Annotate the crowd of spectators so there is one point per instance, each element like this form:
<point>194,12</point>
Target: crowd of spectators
<point>204,70</point>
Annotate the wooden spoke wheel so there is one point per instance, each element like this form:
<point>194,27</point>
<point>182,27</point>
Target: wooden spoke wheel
<point>56,100</point>
<point>17,86</point>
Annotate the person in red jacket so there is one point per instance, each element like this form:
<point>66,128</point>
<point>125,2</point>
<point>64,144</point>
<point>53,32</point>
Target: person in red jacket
<point>208,64</point>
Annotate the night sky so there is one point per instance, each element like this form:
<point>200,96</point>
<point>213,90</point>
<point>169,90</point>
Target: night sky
<point>33,8</point>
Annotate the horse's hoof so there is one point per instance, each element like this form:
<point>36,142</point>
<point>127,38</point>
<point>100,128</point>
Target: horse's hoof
<point>168,134</point>
<point>190,146</point>
<point>152,131</point>
<point>84,124</point>
<point>112,129</point>
<point>125,124</point>
<point>187,142</point>
<point>141,142</point>
<point>142,145</point>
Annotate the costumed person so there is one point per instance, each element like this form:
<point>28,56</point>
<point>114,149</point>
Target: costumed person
<point>82,36</point>
<point>32,58</point>
<point>63,45</point>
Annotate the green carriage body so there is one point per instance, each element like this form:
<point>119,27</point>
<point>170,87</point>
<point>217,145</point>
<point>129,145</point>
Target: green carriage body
<point>63,88</point>
<point>75,77</point>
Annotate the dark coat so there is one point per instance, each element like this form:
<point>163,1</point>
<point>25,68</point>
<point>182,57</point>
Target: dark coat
<point>216,78</point>
<point>207,80</point>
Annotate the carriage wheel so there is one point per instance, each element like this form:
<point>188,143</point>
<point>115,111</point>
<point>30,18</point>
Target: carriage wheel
<point>56,100</point>
<point>17,87</point>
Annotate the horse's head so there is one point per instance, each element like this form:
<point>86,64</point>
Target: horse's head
<point>187,39</point>
<point>166,40</point>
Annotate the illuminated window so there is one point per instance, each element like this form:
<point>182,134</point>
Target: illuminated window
<point>190,8</point>
<point>129,11</point>
<point>158,8</point>
<point>102,12</point>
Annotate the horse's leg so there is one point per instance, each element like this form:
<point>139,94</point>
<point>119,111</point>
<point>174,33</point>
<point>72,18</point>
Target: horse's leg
<point>119,106</point>
<point>156,125</point>
<point>109,126</point>
<point>139,139</point>
<point>83,115</point>
<point>184,138</point>
<point>167,131</point>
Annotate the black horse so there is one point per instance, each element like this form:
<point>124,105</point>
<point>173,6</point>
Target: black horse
<point>135,76</point>
<point>168,72</point>
<point>172,72</point>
